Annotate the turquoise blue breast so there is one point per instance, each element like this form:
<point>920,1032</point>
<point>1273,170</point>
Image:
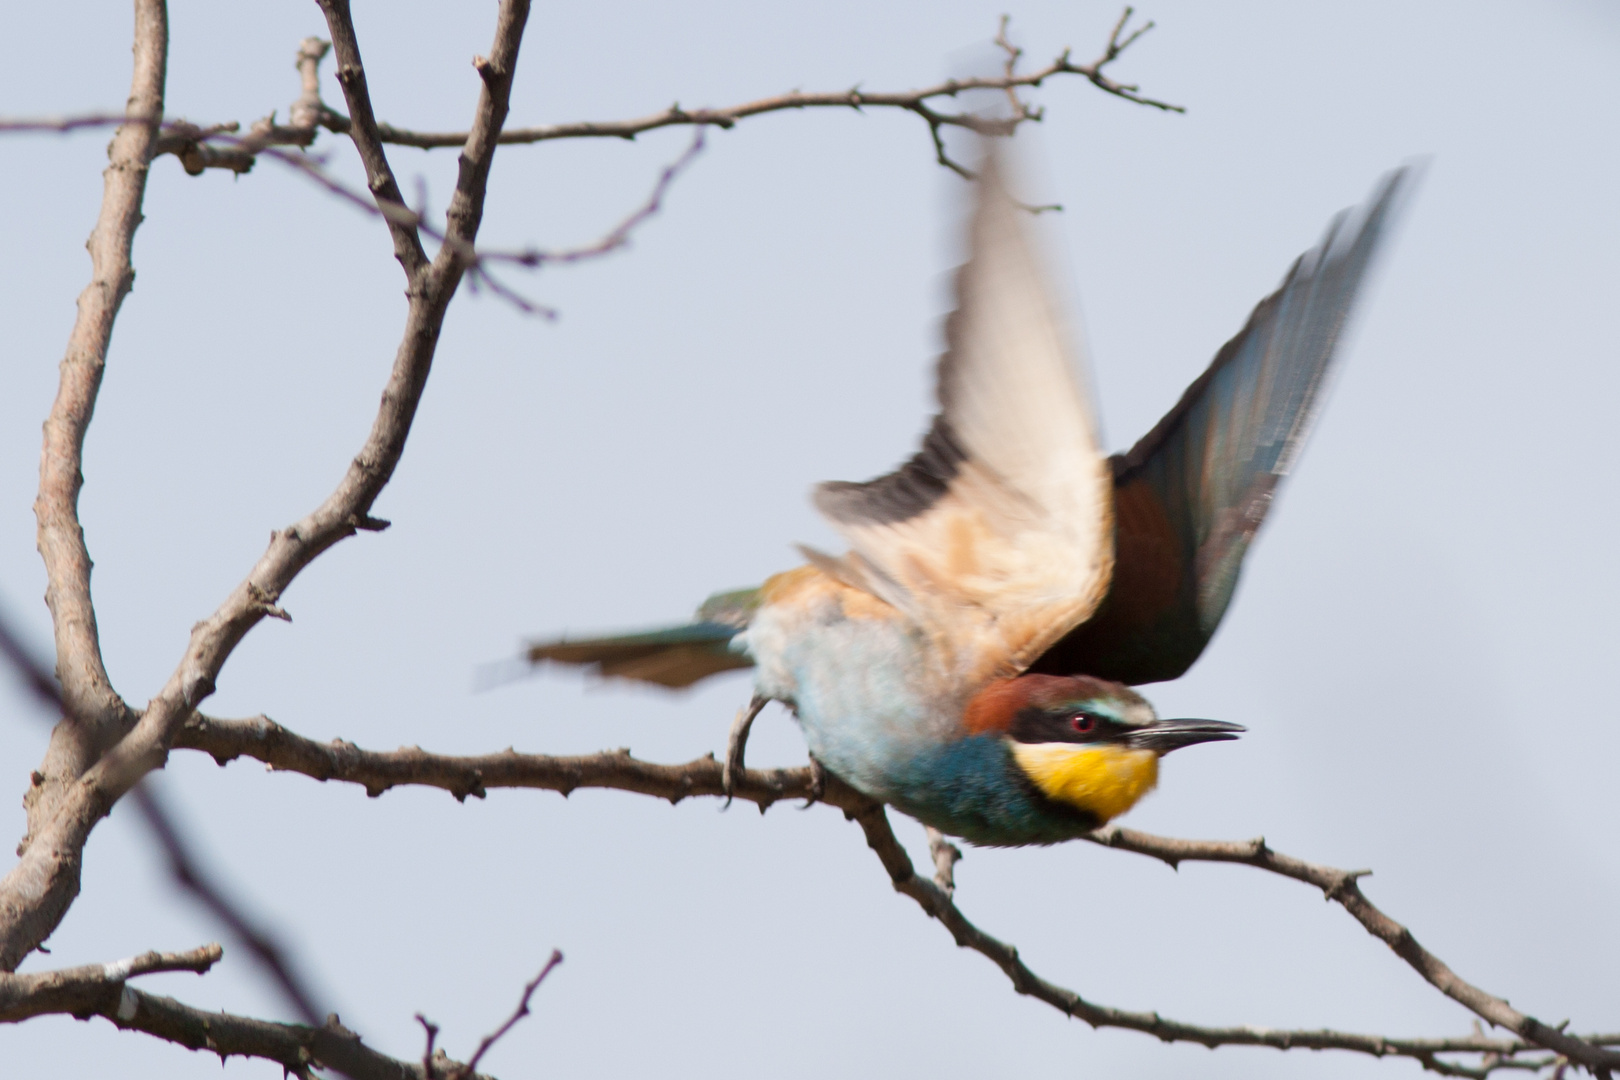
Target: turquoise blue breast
<point>973,788</point>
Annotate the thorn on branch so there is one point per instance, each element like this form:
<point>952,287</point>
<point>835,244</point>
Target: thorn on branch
<point>367,523</point>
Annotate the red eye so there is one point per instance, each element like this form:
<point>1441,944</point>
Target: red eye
<point>1083,724</point>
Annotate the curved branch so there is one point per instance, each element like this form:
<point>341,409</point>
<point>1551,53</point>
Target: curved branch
<point>1341,886</point>
<point>95,710</point>
<point>265,740</point>
<point>1498,1053</point>
<point>95,716</point>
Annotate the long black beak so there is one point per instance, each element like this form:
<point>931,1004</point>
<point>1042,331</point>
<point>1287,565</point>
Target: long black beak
<point>1167,735</point>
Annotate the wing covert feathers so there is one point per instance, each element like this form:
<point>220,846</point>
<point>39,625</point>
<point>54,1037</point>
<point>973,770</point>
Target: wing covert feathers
<point>997,536</point>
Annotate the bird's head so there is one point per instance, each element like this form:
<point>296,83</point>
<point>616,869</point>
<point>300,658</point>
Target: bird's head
<point>1090,743</point>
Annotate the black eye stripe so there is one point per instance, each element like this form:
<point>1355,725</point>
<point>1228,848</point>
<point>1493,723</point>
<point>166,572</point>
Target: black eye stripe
<point>1037,725</point>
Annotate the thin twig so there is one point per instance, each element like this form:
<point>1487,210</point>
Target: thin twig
<point>351,76</point>
<point>519,1013</point>
<point>91,987</point>
<point>432,1031</point>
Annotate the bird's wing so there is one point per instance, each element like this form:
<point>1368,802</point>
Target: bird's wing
<point>1189,497</point>
<point>997,536</point>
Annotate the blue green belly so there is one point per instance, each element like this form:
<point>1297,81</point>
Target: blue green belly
<point>972,788</point>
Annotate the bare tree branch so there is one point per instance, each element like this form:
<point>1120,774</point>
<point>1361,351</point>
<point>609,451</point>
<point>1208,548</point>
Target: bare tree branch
<point>98,989</point>
<point>377,771</point>
<point>1341,887</point>
<point>91,988</point>
<point>95,716</point>
<point>1496,1053</point>
<point>297,1048</point>
<point>265,740</point>
<point>35,894</point>
<point>219,146</point>
<point>351,75</point>
<point>247,150</point>
<point>192,144</point>
<point>916,101</point>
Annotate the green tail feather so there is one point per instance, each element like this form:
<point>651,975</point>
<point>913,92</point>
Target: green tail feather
<point>676,657</point>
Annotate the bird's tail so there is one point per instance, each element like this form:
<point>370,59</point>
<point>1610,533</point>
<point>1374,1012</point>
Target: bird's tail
<point>675,657</point>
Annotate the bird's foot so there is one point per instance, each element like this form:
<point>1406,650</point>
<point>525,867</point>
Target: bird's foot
<point>945,855</point>
<point>736,743</point>
<point>818,783</point>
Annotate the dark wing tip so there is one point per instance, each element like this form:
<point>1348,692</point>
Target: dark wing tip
<point>903,494</point>
<point>1348,243</point>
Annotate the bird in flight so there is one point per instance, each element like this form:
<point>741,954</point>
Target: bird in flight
<point>970,659</point>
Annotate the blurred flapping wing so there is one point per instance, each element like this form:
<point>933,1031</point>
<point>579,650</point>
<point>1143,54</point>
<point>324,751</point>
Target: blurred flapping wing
<point>997,536</point>
<point>1190,496</point>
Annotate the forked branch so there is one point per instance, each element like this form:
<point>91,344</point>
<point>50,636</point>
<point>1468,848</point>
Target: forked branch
<point>37,891</point>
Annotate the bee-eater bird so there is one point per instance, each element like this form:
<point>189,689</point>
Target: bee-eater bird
<point>969,660</point>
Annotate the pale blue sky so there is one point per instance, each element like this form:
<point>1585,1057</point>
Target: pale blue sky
<point>1422,646</point>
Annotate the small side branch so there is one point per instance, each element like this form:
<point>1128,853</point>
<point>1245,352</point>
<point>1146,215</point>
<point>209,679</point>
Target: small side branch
<point>91,988</point>
<point>103,990</point>
<point>351,75</point>
<point>299,1049</point>
<point>518,1014</point>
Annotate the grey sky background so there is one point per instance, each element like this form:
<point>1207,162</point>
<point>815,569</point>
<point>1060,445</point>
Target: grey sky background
<point>1423,645</point>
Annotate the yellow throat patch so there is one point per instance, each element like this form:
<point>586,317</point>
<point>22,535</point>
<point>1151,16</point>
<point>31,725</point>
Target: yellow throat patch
<point>1103,780</point>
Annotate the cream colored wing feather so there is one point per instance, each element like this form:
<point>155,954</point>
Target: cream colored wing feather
<point>998,535</point>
